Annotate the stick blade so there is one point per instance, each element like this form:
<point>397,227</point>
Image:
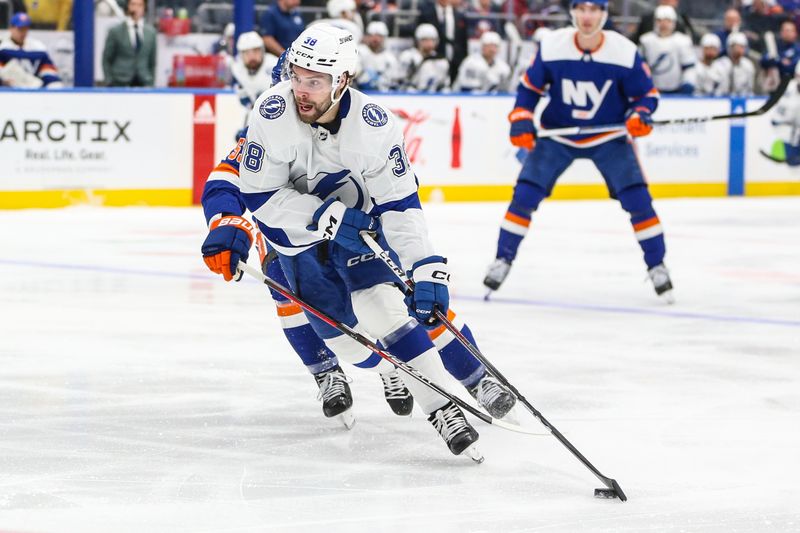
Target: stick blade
<point>615,491</point>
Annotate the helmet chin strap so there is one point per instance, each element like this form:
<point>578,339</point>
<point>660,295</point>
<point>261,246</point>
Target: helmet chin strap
<point>600,26</point>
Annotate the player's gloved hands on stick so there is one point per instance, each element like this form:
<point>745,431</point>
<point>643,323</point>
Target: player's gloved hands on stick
<point>639,122</point>
<point>228,242</point>
<point>431,280</point>
<point>523,132</point>
<point>336,222</point>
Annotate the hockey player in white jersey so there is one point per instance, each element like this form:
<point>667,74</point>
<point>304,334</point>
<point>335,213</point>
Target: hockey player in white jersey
<point>379,68</point>
<point>786,121</point>
<point>669,53</point>
<point>703,76</point>
<point>420,67</point>
<point>252,69</point>
<point>735,72</point>
<point>484,71</point>
<point>322,164</point>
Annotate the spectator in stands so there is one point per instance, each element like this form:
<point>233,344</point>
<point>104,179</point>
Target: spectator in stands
<point>484,72</point>
<point>703,76</point>
<point>788,51</point>
<point>683,24</point>
<point>379,69</point>
<point>281,25</point>
<point>24,62</point>
<point>129,56</point>
<point>731,22</point>
<point>483,16</point>
<point>761,17</point>
<point>735,73</point>
<point>451,26</point>
<point>50,14</point>
<point>422,68</point>
<point>669,53</point>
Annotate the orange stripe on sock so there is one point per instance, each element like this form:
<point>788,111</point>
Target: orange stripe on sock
<point>516,219</point>
<point>288,309</point>
<point>649,223</point>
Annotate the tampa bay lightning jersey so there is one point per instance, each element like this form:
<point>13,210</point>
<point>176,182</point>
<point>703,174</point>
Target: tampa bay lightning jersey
<point>587,87</point>
<point>288,169</point>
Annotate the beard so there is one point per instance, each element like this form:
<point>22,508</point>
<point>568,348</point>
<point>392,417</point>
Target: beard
<point>311,116</point>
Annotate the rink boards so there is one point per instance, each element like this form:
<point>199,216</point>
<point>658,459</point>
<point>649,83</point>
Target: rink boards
<point>155,147</point>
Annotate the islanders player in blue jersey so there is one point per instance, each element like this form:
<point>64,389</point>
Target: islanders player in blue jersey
<point>593,77</point>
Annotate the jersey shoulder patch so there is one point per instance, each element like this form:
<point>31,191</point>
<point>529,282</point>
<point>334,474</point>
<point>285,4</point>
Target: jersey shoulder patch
<point>272,106</point>
<point>374,115</point>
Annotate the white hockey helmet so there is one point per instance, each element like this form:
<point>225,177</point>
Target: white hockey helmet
<point>736,37</point>
<point>491,37</point>
<point>426,31</point>
<point>377,27</point>
<point>710,40</point>
<point>249,41</point>
<point>337,7</point>
<point>666,12</point>
<point>326,49</point>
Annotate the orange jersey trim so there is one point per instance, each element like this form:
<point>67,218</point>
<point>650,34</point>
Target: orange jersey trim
<point>225,167</point>
<point>593,50</point>
<point>527,83</point>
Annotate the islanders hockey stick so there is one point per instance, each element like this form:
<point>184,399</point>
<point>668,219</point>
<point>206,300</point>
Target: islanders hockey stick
<point>588,130</point>
<point>612,490</point>
<point>405,367</point>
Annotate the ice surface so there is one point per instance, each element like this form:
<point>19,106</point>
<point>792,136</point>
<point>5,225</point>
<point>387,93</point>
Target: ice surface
<point>138,392</point>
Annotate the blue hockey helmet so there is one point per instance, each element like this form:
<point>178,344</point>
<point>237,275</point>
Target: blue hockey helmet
<point>601,3</point>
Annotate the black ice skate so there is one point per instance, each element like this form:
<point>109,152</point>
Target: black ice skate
<point>492,396</point>
<point>496,275</point>
<point>334,392</point>
<point>662,283</point>
<point>397,395</point>
<point>459,435</point>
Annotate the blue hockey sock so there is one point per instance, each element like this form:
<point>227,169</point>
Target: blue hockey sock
<point>517,219</point>
<point>408,342</point>
<point>646,225</point>
<point>458,361</point>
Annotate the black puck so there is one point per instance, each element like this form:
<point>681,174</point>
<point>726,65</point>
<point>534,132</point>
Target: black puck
<point>607,494</point>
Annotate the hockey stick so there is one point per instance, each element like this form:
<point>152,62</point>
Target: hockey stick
<point>405,367</point>
<point>613,489</point>
<point>586,130</point>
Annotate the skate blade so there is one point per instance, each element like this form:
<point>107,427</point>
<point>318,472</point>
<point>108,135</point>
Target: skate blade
<point>487,295</point>
<point>668,297</point>
<point>348,419</point>
<point>473,453</point>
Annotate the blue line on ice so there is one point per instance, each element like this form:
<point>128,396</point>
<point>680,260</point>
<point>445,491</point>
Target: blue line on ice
<point>495,299</point>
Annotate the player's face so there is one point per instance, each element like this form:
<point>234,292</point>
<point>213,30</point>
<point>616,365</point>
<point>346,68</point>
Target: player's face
<point>665,27</point>
<point>736,51</point>
<point>312,93</point>
<point>253,58</point>
<point>427,46</point>
<point>710,53</point>
<point>375,42</point>
<point>489,51</point>
<point>588,17</point>
<point>18,35</point>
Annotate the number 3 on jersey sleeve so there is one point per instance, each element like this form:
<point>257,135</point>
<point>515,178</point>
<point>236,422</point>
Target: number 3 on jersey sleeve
<point>398,157</point>
<point>254,156</point>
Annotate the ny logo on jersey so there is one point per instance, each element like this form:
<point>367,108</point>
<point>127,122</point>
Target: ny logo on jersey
<point>583,94</point>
